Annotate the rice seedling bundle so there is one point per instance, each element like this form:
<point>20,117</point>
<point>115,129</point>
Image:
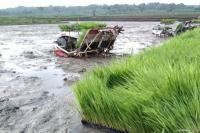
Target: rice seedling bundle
<point>167,21</point>
<point>157,90</point>
<point>81,26</point>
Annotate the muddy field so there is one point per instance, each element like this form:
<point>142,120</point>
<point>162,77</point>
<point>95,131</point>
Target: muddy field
<point>35,85</point>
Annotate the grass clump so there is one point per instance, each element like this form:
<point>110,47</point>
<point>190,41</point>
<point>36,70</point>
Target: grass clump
<point>167,21</point>
<point>157,90</point>
<point>81,26</point>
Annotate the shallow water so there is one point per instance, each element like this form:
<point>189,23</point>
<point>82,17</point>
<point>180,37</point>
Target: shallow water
<point>35,85</point>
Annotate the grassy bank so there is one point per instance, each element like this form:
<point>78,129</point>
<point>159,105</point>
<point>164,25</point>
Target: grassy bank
<point>27,20</point>
<point>157,90</point>
<point>14,20</point>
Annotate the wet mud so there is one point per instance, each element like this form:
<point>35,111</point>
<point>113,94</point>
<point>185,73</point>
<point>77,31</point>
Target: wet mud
<point>35,86</point>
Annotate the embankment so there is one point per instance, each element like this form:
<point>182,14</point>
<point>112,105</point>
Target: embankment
<point>139,18</point>
<point>28,20</point>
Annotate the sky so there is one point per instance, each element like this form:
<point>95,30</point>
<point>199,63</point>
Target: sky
<point>39,3</point>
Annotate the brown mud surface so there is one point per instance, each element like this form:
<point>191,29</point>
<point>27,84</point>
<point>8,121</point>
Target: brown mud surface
<point>35,85</point>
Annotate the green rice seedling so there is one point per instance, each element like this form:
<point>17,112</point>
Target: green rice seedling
<point>196,20</point>
<point>157,90</point>
<point>81,37</point>
<point>167,21</point>
<point>81,26</point>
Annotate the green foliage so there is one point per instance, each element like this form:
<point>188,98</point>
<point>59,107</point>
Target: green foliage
<point>157,90</point>
<point>167,21</point>
<point>81,26</point>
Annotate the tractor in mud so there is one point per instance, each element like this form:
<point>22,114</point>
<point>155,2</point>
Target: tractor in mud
<point>95,41</point>
<point>168,30</point>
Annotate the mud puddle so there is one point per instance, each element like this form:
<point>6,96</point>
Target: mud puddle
<point>35,85</point>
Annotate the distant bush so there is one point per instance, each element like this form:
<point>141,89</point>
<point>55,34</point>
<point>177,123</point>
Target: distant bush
<point>167,21</point>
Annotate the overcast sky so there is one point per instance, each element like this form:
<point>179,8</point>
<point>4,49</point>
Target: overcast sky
<point>15,3</point>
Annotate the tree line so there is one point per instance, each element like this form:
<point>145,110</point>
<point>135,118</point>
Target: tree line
<point>101,10</point>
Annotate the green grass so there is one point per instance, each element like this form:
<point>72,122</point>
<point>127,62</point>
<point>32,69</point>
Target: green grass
<point>81,26</point>
<point>150,16</point>
<point>27,20</point>
<point>167,21</point>
<point>156,91</point>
